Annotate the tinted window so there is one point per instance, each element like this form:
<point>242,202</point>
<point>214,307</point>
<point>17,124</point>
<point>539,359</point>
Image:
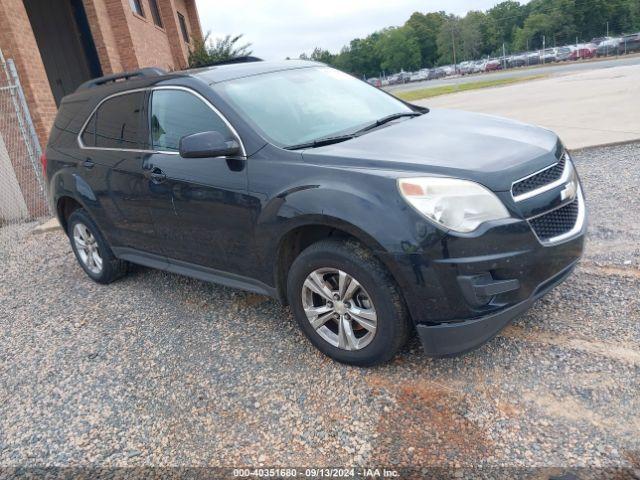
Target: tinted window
<point>176,114</point>
<point>119,123</point>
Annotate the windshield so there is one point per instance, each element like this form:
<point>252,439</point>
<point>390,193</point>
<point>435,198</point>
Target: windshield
<point>292,107</point>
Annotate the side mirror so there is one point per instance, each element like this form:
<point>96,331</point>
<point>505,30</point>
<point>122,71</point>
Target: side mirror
<point>207,144</point>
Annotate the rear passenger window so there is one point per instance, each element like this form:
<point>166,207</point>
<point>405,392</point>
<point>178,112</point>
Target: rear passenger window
<point>176,114</point>
<point>118,123</point>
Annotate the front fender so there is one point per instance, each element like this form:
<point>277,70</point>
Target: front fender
<point>381,220</point>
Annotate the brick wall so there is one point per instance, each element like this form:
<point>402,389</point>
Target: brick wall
<point>127,41</point>
<point>150,42</point>
<point>103,35</point>
<point>123,40</point>
<point>17,42</point>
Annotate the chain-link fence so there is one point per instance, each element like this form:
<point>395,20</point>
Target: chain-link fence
<point>22,187</point>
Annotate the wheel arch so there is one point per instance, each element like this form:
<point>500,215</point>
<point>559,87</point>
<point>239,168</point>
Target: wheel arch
<point>311,230</point>
<point>64,207</point>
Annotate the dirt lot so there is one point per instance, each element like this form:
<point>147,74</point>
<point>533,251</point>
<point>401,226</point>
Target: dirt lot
<point>158,369</point>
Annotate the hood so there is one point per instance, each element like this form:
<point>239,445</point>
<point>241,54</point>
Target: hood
<point>490,150</point>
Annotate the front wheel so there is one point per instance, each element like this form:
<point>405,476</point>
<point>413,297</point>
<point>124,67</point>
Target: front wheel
<point>347,303</point>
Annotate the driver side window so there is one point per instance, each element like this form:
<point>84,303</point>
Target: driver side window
<point>176,114</point>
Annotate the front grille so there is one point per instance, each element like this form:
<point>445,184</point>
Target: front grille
<point>540,179</point>
<point>556,222</point>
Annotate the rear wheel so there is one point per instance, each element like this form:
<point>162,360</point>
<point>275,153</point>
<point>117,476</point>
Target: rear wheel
<point>92,250</point>
<point>347,304</point>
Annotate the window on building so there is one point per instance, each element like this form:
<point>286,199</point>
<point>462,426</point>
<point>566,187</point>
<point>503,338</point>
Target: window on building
<point>136,6</point>
<point>117,124</point>
<point>183,27</point>
<point>176,114</point>
<point>155,13</point>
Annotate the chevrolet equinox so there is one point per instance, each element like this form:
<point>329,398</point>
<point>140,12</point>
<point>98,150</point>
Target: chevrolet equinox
<point>371,217</point>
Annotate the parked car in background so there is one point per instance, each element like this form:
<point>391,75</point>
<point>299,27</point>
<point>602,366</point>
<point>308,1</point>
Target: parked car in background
<point>493,65</point>
<point>515,61</point>
<point>376,82</point>
<point>630,43</point>
<point>393,79</point>
<point>370,217</point>
<point>479,66</point>
<point>563,54</point>
<point>549,55</point>
<point>583,51</point>
<point>436,73</point>
<point>609,47</point>
<point>533,58</point>
<point>448,70</point>
<point>419,76</point>
<point>465,68</point>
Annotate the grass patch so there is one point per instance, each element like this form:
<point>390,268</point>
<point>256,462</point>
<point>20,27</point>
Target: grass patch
<point>421,93</point>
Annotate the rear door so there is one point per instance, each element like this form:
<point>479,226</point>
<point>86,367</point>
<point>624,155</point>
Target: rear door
<point>201,208</point>
<point>115,144</point>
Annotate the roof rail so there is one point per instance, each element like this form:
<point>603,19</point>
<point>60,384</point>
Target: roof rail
<point>231,61</point>
<point>145,72</point>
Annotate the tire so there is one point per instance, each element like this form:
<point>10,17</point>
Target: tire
<point>375,294</point>
<point>80,227</point>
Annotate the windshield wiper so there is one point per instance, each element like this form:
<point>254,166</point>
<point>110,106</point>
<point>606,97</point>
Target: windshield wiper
<point>387,119</point>
<point>321,142</point>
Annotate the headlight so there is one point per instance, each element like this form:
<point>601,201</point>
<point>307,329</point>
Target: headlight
<point>459,205</point>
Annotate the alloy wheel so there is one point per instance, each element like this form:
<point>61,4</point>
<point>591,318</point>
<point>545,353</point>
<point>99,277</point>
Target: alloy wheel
<point>87,248</point>
<point>339,309</point>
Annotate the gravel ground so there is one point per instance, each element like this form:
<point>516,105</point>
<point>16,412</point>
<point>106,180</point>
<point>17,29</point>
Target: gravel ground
<point>163,370</point>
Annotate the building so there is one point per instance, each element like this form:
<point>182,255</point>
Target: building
<point>58,44</point>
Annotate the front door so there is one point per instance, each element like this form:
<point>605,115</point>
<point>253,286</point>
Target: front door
<point>201,209</point>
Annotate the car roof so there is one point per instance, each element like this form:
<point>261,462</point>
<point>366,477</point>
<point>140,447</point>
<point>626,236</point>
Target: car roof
<point>223,73</point>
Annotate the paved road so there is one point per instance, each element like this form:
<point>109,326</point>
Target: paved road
<point>158,369</point>
<point>554,70</point>
<point>587,108</point>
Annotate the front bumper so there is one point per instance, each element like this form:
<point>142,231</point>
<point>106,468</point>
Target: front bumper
<point>454,338</point>
<point>464,290</point>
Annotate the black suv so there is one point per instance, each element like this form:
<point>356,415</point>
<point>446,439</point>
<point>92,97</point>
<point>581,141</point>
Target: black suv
<point>369,216</point>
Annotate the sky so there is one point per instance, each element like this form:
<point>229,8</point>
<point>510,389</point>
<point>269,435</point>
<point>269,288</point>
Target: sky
<point>285,28</point>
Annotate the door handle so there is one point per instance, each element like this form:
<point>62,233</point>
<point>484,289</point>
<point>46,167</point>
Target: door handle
<point>88,163</point>
<point>156,175</point>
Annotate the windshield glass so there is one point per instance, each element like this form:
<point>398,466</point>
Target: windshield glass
<point>293,107</point>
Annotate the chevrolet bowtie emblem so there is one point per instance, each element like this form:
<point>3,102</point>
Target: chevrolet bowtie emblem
<point>569,191</point>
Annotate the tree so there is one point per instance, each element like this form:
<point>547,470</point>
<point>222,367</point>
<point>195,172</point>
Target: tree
<point>209,51</point>
<point>502,21</point>
<point>364,56</point>
<point>428,39</point>
<point>425,28</point>
<point>448,37</point>
<point>399,50</point>
<point>472,33</point>
<point>322,56</point>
